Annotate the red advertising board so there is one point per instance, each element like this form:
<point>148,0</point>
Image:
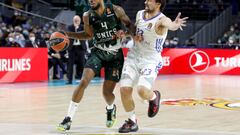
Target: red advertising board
<point>23,64</point>
<point>31,64</point>
<point>201,61</point>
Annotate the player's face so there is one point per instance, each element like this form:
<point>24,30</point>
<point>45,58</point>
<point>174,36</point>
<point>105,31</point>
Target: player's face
<point>151,5</point>
<point>94,4</point>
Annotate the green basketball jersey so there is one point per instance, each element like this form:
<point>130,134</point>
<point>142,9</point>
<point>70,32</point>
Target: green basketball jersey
<point>105,28</point>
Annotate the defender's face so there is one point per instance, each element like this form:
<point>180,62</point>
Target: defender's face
<point>94,4</point>
<point>151,5</point>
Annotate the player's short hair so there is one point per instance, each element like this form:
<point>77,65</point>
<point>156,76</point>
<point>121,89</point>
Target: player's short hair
<point>163,4</point>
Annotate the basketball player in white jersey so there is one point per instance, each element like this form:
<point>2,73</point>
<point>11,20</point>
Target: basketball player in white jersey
<point>144,59</point>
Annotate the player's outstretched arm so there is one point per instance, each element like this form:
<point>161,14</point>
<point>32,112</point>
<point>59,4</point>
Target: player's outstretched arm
<point>124,19</point>
<point>178,23</point>
<point>84,35</point>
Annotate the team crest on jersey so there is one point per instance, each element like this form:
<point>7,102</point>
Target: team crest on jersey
<point>149,26</point>
<point>92,16</point>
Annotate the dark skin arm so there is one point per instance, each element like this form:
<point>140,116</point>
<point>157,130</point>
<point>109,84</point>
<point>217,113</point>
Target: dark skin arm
<point>88,30</point>
<point>84,35</point>
<point>120,13</point>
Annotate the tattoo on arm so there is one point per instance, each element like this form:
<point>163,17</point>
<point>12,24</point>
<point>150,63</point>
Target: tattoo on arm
<point>125,19</point>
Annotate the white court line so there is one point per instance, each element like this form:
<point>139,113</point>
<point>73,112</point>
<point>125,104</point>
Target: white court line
<point>46,129</point>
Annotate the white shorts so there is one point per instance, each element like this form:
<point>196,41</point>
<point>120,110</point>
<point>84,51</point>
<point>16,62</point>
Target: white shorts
<point>139,72</point>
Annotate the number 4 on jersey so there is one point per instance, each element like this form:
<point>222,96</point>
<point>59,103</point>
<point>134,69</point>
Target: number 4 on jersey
<point>104,25</point>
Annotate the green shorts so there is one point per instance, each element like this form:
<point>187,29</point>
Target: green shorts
<point>112,64</point>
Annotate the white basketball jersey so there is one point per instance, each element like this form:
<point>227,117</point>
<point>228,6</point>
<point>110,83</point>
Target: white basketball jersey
<point>152,44</point>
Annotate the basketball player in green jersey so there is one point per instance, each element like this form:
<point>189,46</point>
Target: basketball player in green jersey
<point>102,23</point>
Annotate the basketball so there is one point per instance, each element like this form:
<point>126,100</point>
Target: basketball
<point>58,41</point>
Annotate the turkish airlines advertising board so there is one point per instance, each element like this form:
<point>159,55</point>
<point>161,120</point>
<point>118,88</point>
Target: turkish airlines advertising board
<point>201,61</point>
<point>23,64</point>
<point>31,64</point>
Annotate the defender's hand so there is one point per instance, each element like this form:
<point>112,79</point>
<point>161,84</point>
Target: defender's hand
<point>181,22</point>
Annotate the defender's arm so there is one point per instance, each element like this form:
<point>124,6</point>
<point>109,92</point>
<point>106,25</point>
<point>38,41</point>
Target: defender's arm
<point>178,23</point>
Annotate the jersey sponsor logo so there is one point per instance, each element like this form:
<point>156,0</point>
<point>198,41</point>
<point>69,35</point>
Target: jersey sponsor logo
<point>199,61</point>
<point>229,104</point>
<point>15,64</point>
<point>106,34</point>
<point>110,15</point>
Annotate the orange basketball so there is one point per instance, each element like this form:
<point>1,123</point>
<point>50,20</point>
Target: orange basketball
<point>59,41</point>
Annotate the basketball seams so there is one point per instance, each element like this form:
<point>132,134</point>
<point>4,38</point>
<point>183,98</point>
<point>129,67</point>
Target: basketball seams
<point>58,41</point>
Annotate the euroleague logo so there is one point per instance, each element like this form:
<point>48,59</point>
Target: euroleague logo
<point>199,61</point>
<point>228,104</point>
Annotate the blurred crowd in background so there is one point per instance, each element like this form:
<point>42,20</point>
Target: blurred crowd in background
<point>19,31</point>
<point>231,38</point>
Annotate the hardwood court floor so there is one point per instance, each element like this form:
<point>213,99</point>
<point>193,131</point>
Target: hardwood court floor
<point>36,108</point>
